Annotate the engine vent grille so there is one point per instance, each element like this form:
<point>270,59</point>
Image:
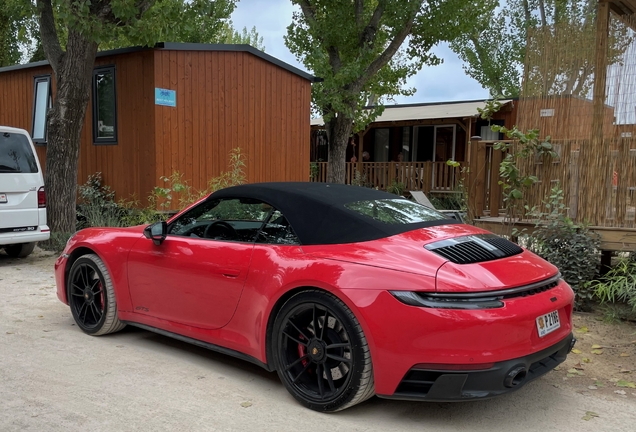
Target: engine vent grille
<point>474,249</point>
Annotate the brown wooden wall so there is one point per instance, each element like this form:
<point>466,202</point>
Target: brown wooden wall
<point>16,99</point>
<point>572,117</point>
<point>224,100</point>
<point>227,100</point>
<point>126,167</point>
<point>123,166</point>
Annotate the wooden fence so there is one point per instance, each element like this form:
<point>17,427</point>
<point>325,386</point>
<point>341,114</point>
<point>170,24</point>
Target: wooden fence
<point>613,194</point>
<point>421,176</point>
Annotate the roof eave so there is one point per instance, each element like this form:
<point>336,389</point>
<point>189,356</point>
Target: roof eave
<point>175,46</point>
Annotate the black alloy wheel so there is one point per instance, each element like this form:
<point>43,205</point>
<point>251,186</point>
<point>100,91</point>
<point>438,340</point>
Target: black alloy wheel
<point>321,354</point>
<point>91,296</point>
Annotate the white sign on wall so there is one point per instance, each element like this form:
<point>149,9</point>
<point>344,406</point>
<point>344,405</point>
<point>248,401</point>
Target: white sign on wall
<point>548,112</point>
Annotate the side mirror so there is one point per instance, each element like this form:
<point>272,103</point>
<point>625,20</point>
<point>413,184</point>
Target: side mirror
<point>156,232</point>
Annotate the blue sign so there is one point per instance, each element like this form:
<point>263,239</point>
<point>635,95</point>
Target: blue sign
<point>165,97</point>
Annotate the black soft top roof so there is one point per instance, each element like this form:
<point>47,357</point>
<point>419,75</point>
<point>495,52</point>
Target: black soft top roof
<point>317,211</point>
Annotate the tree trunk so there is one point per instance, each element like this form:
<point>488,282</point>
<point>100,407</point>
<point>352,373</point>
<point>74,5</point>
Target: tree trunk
<point>65,122</point>
<point>338,130</point>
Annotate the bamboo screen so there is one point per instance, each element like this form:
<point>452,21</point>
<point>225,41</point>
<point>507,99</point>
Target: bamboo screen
<point>596,166</point>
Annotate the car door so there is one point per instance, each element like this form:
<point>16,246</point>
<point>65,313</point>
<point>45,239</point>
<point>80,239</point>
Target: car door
<point>196,276</point>
<point>20,180</point>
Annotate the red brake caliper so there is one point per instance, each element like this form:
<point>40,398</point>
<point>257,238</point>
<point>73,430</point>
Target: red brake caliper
<point>302,351</point>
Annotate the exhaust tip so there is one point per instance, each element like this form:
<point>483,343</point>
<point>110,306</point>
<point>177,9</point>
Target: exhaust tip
<point>572,343</point>
<point>515,376</point>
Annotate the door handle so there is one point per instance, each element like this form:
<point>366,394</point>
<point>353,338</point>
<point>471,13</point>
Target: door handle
<point>230,273</point>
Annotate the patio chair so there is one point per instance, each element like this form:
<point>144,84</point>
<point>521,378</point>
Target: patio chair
<point>421,198</point>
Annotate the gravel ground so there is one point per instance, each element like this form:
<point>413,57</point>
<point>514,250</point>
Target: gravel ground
<point>55,378</point>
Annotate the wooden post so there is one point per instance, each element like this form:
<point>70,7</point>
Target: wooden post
<point>495,187</point>
<point>360,149</point>
<point>477,178</point>
<point>480,179</point>
<point>427,173</point>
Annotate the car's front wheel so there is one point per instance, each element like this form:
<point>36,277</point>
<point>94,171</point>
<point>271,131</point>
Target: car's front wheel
<point>20,250</point>
<point>91,296</point>
<point>321,353</point>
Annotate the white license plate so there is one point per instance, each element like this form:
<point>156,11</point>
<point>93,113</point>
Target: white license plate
<point>548,323</point>
<point>3,197</point>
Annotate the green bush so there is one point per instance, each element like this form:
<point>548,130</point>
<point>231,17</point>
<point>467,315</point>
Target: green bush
<point>176,187</point>
<point>450,201</point>
<point>56,242</point>
<point>573,248</point>
<point>618,285</point>
<point>97,206</point>
<point>396,188</point>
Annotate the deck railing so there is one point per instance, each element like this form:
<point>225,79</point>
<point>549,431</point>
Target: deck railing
<point>421,176</point>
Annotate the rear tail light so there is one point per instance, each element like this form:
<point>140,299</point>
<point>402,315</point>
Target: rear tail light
<point>41,198</point>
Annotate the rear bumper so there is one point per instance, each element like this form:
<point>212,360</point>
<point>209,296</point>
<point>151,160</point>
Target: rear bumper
<point>42,234</point>
<point>435,385</point>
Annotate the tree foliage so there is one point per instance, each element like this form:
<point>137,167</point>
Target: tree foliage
<point>495,52</point>
<point>71,33</point>
<point>248,37</point>
<point>17,27</point>
<point>367,49</point>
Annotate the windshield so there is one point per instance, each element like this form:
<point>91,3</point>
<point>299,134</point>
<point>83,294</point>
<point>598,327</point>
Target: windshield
<point>395,211</point>
<point>16,155</point>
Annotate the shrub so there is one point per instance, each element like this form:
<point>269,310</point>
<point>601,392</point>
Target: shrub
<point>618,285</point>
<point>234,177</point>
<point>176,187</point>
<point>56,242</point>
<point>97,206</point>
<point>396,188</point>
<point>573,248</point>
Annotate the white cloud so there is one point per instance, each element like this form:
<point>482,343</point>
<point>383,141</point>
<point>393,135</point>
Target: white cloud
<point>446,82</point>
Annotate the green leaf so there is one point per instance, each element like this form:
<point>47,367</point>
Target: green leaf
<point>626,384</point>
<point>589,415</point>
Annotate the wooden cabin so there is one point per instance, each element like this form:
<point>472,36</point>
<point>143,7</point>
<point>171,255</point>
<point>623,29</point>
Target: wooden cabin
<point>410,144</point>
<point>176,107</point>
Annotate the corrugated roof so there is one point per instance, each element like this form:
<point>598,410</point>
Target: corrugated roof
<point>430,111</point>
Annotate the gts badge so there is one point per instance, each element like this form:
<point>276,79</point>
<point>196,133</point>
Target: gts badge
<point>142,309</point>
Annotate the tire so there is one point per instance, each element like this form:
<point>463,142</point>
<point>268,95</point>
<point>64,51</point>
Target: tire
<point>326,370</point>
<point>91,297</point>
<point>20,250</point>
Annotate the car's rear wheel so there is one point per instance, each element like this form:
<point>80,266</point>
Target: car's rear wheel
<point>91,296</point>
<point>321,353</point>
<point>20,250</point>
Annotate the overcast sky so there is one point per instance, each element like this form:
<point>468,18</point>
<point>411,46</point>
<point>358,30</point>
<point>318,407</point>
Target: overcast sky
<point>446,82</point>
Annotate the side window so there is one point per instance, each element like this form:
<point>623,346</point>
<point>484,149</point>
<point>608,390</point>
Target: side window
<point>278,231</point>
<point>104,106</point>
<point>16,155</point>
<point>225,219</point>
<point>41,106</point>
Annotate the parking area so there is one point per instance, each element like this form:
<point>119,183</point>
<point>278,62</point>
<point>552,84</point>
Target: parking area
<point>55,378</point>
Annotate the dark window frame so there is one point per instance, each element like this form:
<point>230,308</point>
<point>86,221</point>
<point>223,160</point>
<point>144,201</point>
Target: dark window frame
<point>36,80</point>
<point>98,140</point>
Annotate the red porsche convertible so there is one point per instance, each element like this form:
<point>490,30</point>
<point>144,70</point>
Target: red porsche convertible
<point>346,292</point>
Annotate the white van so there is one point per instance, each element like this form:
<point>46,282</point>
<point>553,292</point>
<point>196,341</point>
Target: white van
<point>22,197</point>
